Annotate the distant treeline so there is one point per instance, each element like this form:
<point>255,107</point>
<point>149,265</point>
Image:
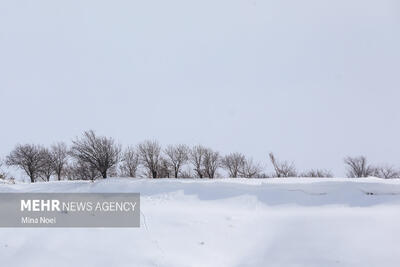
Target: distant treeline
<point>92,157</point>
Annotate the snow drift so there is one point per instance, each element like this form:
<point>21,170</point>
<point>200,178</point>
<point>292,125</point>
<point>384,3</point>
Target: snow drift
<point>224,222</point>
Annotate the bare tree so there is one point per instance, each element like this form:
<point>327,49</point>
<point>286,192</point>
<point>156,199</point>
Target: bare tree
<point>59,154</point>
<point>149,152</point>
<point>99,152</point>
<point>164,170</point>
<point>233,163</point>
<point>318,173</point>
<point>2,172</point>
<point>386,172</point>
<point>47,168</point>
<point>211,162</point>
<point>196,157</point>
<point>250,169</point>
<point>29,158</point>
<point>177,156</point>
<point>282,169</point>
<point>357,167</point>
<point>130,162</point>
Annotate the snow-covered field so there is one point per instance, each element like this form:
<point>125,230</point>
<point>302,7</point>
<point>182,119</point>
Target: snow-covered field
<point>226,222</point>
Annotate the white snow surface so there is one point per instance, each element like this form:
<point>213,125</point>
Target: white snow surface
<point>224,222</point>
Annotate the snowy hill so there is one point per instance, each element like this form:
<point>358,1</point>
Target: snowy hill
<point>225,222</point>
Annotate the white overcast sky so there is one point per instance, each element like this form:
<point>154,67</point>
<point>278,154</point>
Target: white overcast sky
<point>311,80</point>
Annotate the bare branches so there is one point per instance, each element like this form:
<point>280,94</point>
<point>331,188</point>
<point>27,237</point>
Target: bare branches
<point>211,162</point>
<point>99,152</point>
<point>233,163</point>
<point>46,170</point>
<point>176,157</point>
<point>164,170</point>
<point>283,169</point>
<point>237,165</point>
<point>80,170</point>
<point>196,157</point>
<point>2,173</point>
<point>249,169</point>
<point>130,162</point>
<point>36,161</point>
<point>317,173</point>
<point>149,152</point>
<point>95,156</point>
<point>29,158</point>
<point>59,154</point>
<point>357,167</point>
<point>386,172</point>
<point>205,161</point>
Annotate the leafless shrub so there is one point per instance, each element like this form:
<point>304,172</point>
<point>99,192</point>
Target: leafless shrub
<point>98,152</point>
<point>29,158</point>
<point>317,173</point>
<point>47,168</point>
<point>81,170</point>
<point>176,157</point>
<point>130,162</point>
<point>149,152</point>
<point>59,154</point>
<point>196,157</point>
<point>211,162</point>
<point>233,163</point>
<point>250,169</point>
<point>357,167</point>
<point>263,175</point>
<point>283,169</point>
<point>386,172</point>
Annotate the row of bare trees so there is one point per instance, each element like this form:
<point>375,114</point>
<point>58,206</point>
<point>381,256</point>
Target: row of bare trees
<point>358,167</point>
<point>287,169</point>
<point>39,162</point>
<point>91,156</point>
